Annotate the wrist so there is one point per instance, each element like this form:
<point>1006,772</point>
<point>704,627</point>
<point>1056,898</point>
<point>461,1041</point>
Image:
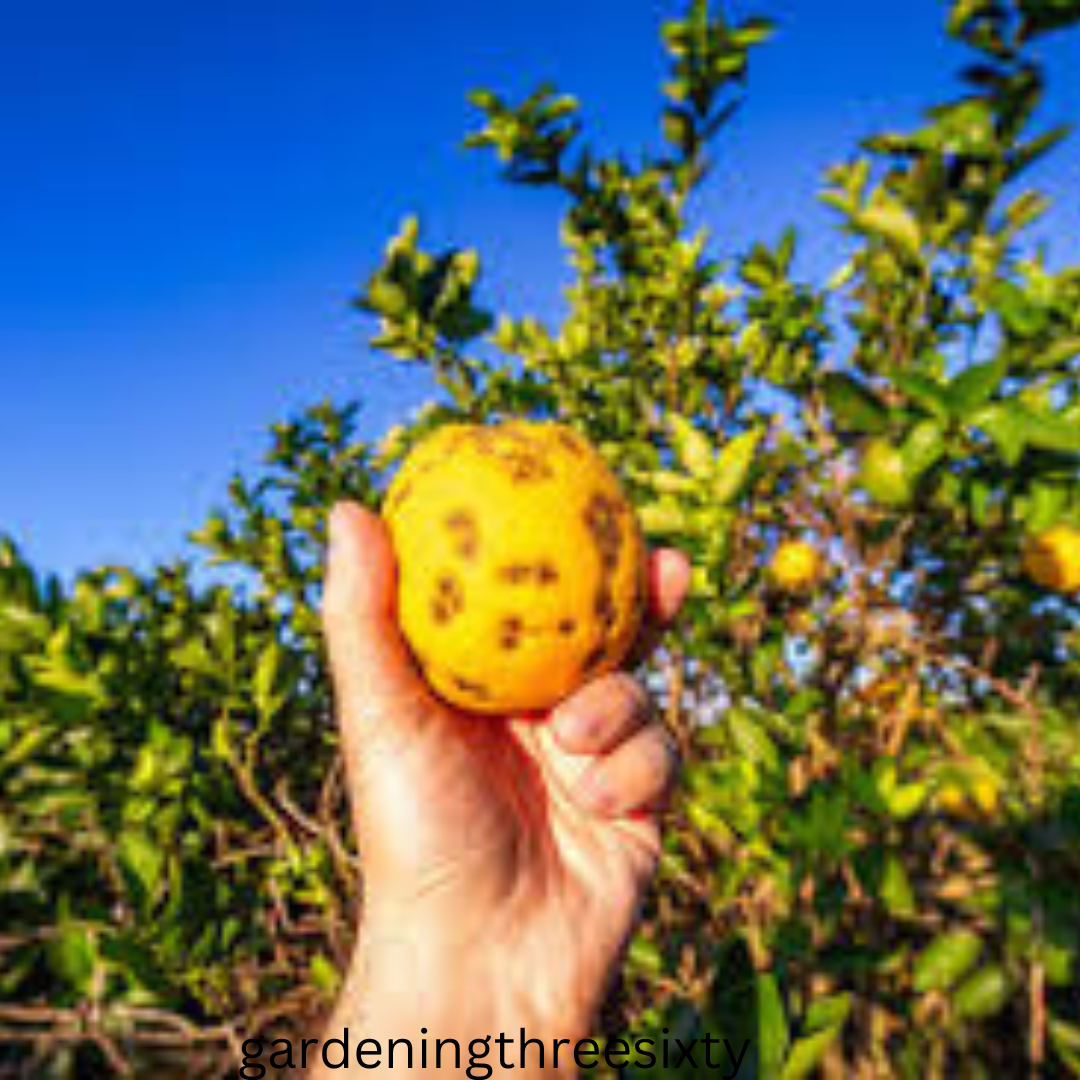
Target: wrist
<point>403,990</point>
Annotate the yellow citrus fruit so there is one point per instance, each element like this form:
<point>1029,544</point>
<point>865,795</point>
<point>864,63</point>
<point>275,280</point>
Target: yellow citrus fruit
<point>952,799</point>
<point>985,794</point>
<point>796,565</point>
<point>883,475</point>
<point>977,799</point>
<point>521,564</point>
<point>1052,558</point>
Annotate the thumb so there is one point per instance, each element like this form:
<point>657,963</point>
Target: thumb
<point>379,692</point>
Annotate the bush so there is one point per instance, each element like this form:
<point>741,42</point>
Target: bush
<point>871,868</point>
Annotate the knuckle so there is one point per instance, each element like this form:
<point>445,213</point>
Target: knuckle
<point>633,694</point>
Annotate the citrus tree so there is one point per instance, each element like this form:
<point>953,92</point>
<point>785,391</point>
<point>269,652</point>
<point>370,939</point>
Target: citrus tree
<point>871,868</point>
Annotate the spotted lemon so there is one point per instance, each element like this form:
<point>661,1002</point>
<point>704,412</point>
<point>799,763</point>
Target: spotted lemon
<point>1052,558</point>
<point>796,566</point>
<point>521,564</point>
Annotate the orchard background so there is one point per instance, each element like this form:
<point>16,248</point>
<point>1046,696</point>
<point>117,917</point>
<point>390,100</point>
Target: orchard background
<point>873,867</point>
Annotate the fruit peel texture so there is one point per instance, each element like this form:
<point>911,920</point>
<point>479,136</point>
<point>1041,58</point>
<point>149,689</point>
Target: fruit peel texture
<point>521,565</point>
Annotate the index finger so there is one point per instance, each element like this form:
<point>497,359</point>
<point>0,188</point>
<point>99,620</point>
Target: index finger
<point>668,584</point>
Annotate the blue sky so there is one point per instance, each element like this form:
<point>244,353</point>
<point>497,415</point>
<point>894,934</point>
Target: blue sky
<point>193,189</point>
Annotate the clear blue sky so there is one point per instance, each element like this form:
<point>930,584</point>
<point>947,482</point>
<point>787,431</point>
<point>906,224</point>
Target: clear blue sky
<point>191,190</point>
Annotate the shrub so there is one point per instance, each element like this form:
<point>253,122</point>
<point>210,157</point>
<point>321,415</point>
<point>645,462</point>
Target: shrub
<point>871,867</point>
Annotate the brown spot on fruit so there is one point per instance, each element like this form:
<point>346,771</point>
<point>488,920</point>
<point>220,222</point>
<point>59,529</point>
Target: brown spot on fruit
<point>543,573</point>
<point>515,573</point>
<point>525,466</point>
<point>604,607</point>
<point>449,598</point>
<point>601,517</point>
<point>567,627</point>
<point>468,686</point>
<point>569,442</point>
<point>546,573</point>
<point>510,631</point>
<point>466,533</point>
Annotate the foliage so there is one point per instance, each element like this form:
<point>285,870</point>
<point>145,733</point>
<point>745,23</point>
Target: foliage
<point>871,869</point>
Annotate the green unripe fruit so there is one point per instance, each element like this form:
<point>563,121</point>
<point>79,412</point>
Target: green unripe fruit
<point>883,475</point>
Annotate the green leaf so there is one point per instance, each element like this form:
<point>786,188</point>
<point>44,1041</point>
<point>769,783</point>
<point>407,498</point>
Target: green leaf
<point>946,960</point>
<point>773,1033</point>
<point>963,12</point>
<point>1047,501</point>
<point>854,406</point>
<point>974,386</point>
<point>65,680</point>
<point>386,298</point>
<point>669,482</point>
<point>265,680</point>
<point>807,1053</point>
<point>963,127</point>
<point>73,955</point>
<point>663,518</point>
<point>896,891</point>
<point>710,824</point>
<point>144,859</point>
<point>1065,1038</point>
<point>982,994</point>
<point>733,466</point>
<point>923,391</point>
<point>922,448</point>
<point>752,739</point>
<point>890,219</point>
<point>1059,353</point>
<point>827,1012</point>
<point>1049,431</point>
<point>1004,423</point>
<point>644,956</point>
<point>692,448</point>
<point>678,128</point>
<point>324,975</point>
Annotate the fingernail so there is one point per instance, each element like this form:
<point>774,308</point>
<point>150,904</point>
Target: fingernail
<point>580,729</point>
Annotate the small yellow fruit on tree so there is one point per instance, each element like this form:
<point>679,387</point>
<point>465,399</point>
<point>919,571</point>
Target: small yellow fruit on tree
<point>986,794</point>
<point>973,800</point>
<point>952,799</point>
<point>883,474</point>
<point>1052,558</point>
<point>796,566</point>
<point>521,565</point>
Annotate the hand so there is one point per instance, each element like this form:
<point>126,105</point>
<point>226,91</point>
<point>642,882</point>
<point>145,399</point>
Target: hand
<point>504,860</point>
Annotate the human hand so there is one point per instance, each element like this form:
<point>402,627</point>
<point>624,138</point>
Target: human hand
<point>504,860</point>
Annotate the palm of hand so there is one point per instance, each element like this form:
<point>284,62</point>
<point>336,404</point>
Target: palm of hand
<point>474,830</point>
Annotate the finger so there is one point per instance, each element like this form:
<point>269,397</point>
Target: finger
<point>376,683</point>
<point>603,713</point>
<point>669,582</point>
<point>638,775</point>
